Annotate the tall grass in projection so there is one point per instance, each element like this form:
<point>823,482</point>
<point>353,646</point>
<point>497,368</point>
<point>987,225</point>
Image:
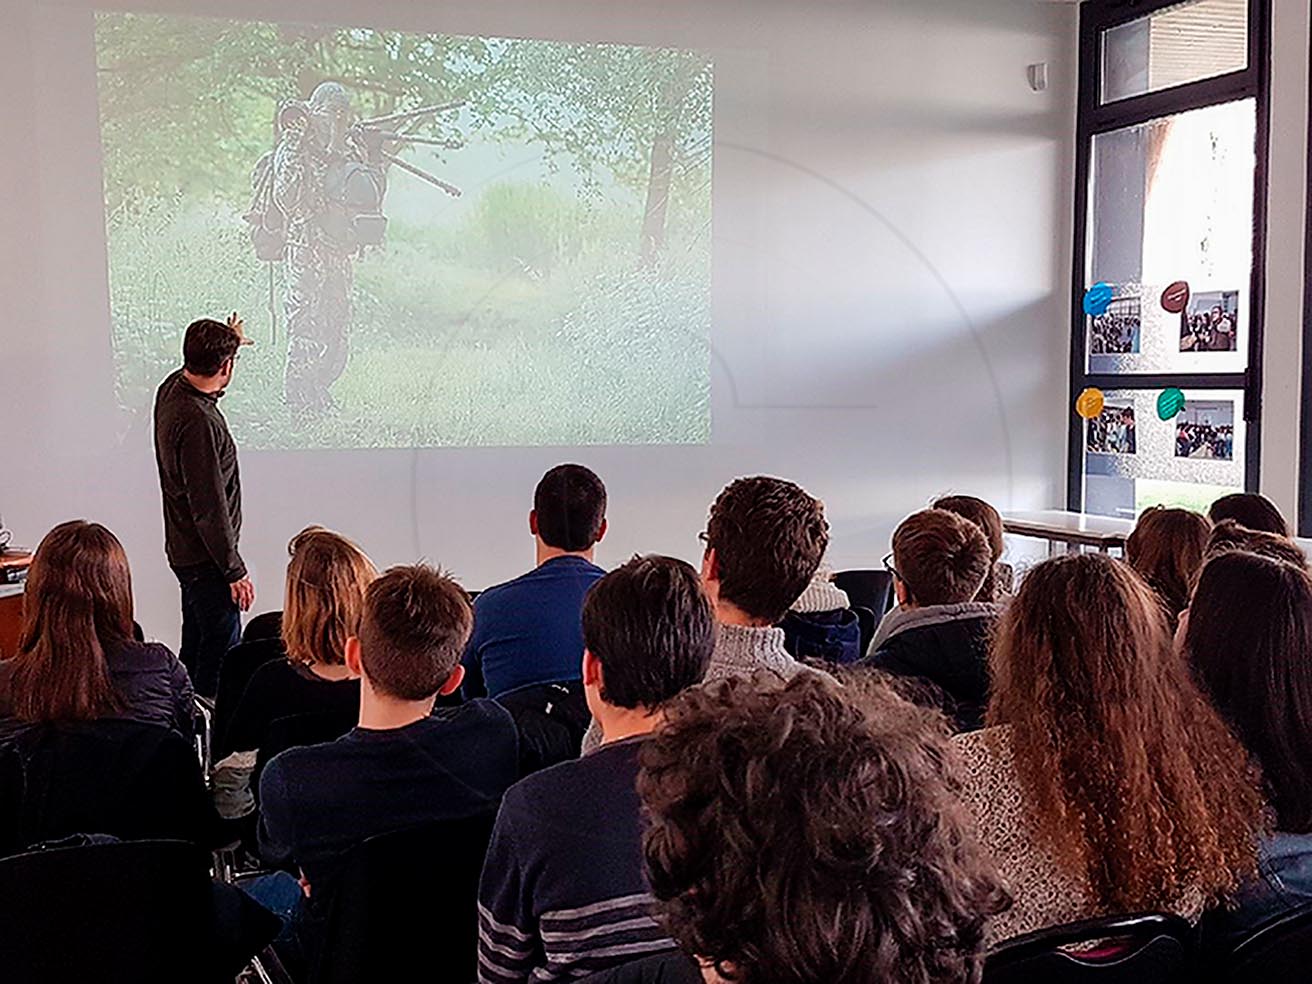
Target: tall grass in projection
<point>562,298</point>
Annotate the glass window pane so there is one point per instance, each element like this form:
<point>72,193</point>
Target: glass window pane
<point>1184,43</point>
<point>1133,459</point>
<point>1171,201</point>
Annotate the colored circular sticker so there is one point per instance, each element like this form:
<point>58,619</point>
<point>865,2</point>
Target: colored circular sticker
<point>1089,403</point>
<point>1097,298</point>
<point>1169,403</point>
<point>1175,298</point>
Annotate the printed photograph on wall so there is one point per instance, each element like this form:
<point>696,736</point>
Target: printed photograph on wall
<point>1206,429</point>
<point>1211,322</point>
<point>1117,330</point>
<point>1112,431</point>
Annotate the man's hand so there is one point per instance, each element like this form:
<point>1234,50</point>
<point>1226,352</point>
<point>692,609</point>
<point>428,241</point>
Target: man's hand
<point>243,593</point>
<point>239,326</point>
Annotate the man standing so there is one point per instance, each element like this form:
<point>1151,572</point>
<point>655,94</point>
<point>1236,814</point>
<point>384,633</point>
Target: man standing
<point>201,489</point>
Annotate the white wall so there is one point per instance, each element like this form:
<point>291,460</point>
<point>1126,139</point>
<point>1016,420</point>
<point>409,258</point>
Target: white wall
<point>891,275</point>
<point>1286,215</point>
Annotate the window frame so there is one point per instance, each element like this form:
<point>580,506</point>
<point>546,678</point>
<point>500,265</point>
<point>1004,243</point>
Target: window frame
<point>1093,117</point>
<point>1304,521</point>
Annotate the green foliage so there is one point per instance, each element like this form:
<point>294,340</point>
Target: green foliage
<point>530,320</point>
<point>443,353</point>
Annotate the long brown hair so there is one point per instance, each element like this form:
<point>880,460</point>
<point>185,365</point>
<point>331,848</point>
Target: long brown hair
<point>1134,779</point>
<point>1167,548</point>
<point>77,606</point>
<point>326,581</point>
<point>1250,640</point>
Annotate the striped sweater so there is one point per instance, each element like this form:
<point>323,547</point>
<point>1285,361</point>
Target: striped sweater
<point>563,894</point>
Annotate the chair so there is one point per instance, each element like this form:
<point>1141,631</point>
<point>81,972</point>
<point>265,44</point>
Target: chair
<point>266,625</point>
<point>136,911</point>
<point>1145,949</point>
<point>1278,950</point>
<point>868,622</point>
<point>867,589</point>
<point>404,906</point>
<point>551,719</point>
<point>235,672</point>
<point>296,730</point>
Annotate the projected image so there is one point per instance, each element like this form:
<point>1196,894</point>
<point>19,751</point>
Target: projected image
<point>434,240</point>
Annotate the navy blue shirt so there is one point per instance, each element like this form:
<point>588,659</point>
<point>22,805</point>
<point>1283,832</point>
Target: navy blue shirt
<point>530,630</point>
<point>319,801</point>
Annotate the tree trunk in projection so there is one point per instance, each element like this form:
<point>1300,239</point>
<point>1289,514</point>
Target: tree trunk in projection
<point>659,181</point>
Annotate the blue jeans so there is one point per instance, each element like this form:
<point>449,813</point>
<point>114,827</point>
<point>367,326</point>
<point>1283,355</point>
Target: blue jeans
<point>281,894</point>
<point>211,625</point>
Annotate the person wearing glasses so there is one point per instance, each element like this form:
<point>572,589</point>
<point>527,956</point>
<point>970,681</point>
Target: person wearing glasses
<point>201,489</point>
<point>938,635</point>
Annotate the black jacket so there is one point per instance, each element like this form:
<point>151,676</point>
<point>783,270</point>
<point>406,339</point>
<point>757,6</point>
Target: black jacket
<point>152,686</point>
<point>946,645</point>
<point>664,968</point>
<point>198,479</point>
<point>122,778</point>
<point>833,636</point>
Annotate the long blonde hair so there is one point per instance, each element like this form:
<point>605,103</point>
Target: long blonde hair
<point>326,581</point>
<point>1134,779</point>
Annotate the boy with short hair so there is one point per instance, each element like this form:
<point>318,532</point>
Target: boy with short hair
<point>403,765</point>
<point>938,632</point>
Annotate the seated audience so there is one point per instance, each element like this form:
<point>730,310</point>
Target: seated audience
<point>997,585</point>
<point>1249,509</point>
<point>1248,635</point>
<point>527,631</point>
<point>1167,548</point>
<point>563,892</point>
<point>938,634</point>
<point>805,833</point>
<point>821,624</point>
<point>1228,535</point>
<point>326,581</point>
<point>403,765</point>
<point>77,659</point>
<point>1107,783</point>
<point>765,539</point>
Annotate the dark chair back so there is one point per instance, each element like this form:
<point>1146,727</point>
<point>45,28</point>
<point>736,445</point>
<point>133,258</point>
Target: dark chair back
<point>551,719</point>
<point>235,672</point>
<point>129,911</point>
<point>296,730</point>
<point>867,589</point>
<point>1278,950</point>
<point>868,622</point>
<point>266,625</point>
<point>404,906</point>
<point>1144,949</point>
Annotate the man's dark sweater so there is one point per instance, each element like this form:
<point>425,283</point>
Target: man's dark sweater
<point>946,645</point>
<point>319,801</point>
<point>563,892</point>
<point>199,480</point>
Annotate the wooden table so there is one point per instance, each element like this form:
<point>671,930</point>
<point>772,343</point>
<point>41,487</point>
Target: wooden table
<point>1103,533</point>
<point>11,617</point>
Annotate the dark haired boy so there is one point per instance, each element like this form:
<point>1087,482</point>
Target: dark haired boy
<point>562,891</point>
<point>404,765</point>
<point>939,633</point>
<point>527,632</point>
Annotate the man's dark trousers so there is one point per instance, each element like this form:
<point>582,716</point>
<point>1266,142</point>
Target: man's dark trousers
<point>211,625</point>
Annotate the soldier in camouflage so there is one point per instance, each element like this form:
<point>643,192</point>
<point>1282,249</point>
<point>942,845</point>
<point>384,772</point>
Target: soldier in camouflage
<point>312,151</point>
